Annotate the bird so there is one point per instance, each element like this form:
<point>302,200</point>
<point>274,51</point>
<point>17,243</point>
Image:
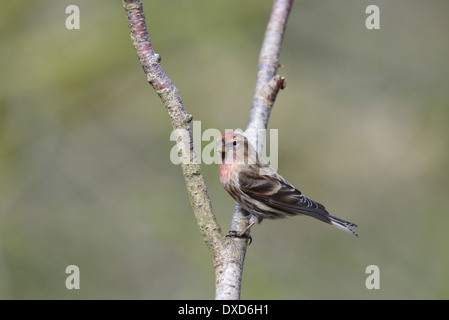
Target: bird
<point>261,192</point>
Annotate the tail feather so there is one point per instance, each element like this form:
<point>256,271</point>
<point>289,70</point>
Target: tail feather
<point>343,225</point>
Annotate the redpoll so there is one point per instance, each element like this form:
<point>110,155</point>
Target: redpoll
<point>260,190</point>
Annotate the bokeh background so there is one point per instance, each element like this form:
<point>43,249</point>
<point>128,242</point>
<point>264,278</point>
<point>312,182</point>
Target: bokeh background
<point>86,177</point>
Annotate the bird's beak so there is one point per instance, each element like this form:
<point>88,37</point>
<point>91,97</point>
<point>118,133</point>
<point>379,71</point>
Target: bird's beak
<point>220,149</point>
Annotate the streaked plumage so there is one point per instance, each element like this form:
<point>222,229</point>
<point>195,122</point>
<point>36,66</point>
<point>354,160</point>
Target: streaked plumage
<point>260,190</point>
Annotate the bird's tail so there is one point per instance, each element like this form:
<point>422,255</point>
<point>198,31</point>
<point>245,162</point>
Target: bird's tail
<point>343,225</point>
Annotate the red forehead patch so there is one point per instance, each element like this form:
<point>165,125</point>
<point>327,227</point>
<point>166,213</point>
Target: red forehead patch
<point>228,136</point>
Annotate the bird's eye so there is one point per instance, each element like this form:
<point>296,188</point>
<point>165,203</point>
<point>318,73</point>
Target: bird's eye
<point>234,143</point>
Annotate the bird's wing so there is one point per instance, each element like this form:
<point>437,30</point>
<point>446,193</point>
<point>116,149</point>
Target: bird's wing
<point>274,191</point>
<point>281,199</point>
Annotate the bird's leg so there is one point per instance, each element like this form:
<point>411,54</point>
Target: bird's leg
<point>242,234</point>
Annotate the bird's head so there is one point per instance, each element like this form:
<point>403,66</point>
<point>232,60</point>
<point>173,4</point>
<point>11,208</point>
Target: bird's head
<point>233,147</point>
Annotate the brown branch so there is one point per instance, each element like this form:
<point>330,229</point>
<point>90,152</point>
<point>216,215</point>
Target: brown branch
<point>180,121</point>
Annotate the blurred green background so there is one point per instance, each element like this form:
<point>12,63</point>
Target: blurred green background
<point>85,175</point>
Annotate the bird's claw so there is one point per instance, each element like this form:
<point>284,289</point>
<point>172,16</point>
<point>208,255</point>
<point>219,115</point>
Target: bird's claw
<point>240,234</point>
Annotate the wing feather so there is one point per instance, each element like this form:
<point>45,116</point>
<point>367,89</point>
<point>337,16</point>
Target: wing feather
<point>277,193</point>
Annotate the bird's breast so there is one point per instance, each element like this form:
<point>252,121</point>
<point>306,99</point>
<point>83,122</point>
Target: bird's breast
<point>225,173</point>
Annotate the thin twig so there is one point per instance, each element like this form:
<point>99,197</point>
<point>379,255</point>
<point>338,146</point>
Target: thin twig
<point>268,65</point>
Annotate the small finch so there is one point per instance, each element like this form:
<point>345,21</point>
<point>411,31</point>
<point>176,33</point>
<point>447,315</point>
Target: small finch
<point>260,190</point>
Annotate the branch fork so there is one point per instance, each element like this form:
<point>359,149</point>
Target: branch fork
<point>228,254</point>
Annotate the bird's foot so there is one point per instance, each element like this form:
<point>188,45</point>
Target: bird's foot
<point>240,234</point>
